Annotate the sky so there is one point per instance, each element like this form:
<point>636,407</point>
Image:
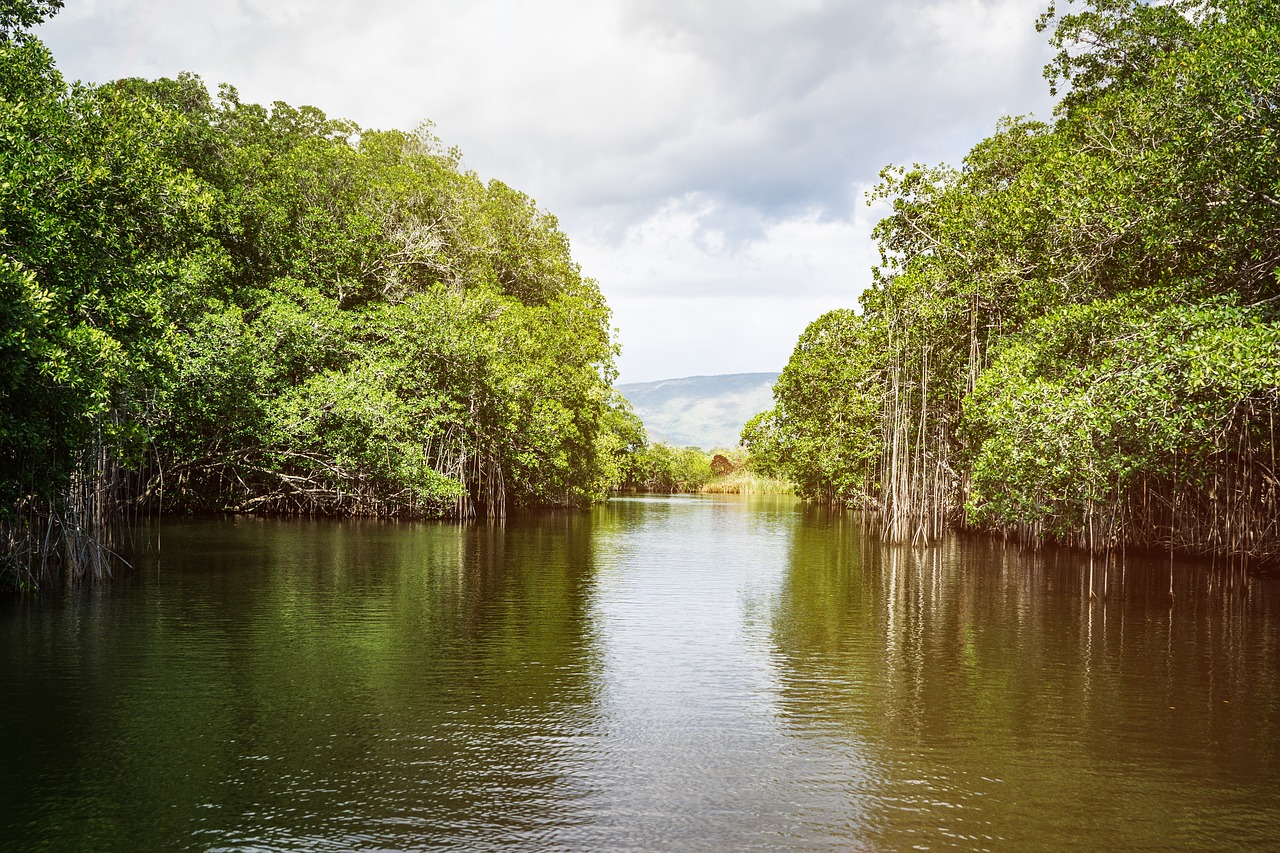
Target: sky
<point>708,160</point>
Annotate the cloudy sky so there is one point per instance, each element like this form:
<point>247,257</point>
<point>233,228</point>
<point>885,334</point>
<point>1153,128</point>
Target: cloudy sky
<point>708,160</point>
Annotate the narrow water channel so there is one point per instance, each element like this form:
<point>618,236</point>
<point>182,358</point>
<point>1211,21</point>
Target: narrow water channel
<point>686,673</point>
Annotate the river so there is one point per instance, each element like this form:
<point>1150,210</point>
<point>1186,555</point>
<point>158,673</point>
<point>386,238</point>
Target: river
<point>684,673</point>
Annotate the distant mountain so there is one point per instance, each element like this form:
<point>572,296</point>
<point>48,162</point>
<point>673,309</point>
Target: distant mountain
<point>702,411</point>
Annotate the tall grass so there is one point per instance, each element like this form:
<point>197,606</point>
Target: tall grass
<point>742,482</point>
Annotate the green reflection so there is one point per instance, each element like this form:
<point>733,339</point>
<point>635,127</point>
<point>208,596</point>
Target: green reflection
<point>359,683</point>
<point>718,673</point>
<point>999,706</point>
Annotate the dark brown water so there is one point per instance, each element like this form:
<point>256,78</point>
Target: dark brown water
<point>656,674</point>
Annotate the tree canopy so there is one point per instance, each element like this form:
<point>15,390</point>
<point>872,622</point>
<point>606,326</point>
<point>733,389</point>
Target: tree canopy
<point>211,305</point>
<point>1074,335</point>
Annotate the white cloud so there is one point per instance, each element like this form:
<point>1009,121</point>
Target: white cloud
<point>706,159</point>
<point>688,298</point>
<point>683,250</point>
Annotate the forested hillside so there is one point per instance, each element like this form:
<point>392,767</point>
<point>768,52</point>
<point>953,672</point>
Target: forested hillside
<point>207,304</point>
<point>1075,335</point>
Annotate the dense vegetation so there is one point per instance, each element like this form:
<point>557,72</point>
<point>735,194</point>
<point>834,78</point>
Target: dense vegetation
<point>207,304</point>
<point>661,468</point>
<point>1074,337</point>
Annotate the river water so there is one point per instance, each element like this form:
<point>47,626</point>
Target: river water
<point>685,673</point>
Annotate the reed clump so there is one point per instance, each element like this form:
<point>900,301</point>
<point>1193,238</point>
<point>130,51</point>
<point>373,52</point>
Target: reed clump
<point>744,482</point>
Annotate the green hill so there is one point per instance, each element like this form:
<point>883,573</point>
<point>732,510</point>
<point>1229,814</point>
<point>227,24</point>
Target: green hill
<point>702,411</point>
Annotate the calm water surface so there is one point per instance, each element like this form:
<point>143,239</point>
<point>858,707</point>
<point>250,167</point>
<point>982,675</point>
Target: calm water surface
<point>656,674</point>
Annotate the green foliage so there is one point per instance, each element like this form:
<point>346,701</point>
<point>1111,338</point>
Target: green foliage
<point>218,305</point>
<point>620,440</point>
<point>452,308</point>
<point>1089,401</point>
<point>824,430</point>
<point>1125,42</point>
<point>93,221</point>
<point>664,469</point>
<point>1073,336</point>
<point>17,16</point>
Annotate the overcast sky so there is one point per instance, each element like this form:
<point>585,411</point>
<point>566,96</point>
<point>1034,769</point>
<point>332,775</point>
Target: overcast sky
<point>708,160</point>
